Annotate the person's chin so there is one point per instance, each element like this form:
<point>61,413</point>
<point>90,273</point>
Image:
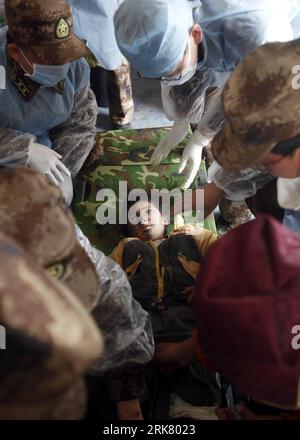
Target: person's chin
<point>148,237</point>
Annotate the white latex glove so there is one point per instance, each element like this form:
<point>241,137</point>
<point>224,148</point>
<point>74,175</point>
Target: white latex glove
<point>66,188</point>
<point>192,156</point>
<point>47,162</point>
<point>178,132</point>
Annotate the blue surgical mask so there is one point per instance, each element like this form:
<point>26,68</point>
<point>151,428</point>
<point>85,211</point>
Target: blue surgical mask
<point>185,75</point>
<point>48,76</point>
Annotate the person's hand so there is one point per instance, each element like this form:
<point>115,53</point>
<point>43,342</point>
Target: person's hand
<point>192,156</point>
<point>66,188</point>
<point>47,162</point>
<point>178,132</point>
<point>129,410</point>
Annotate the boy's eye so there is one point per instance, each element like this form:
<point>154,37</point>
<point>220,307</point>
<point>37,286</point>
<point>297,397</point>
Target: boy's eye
<point>56,271</point>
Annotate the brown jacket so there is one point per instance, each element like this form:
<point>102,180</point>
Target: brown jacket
<point>159,274</point>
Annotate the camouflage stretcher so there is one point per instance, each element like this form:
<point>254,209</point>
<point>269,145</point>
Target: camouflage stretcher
<point>2,18</point>
<point>126,157</point>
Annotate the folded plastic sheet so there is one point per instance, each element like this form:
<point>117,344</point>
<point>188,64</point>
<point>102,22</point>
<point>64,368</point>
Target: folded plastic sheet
<point>239,185</point>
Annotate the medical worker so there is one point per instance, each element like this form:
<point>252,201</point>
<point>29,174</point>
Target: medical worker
<point>262,129</point>
<point>93,22</point>
<point>192,47</point>
<point>47,111</point>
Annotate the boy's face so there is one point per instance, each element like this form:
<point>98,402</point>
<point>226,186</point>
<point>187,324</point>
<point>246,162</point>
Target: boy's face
<point>146,222</point>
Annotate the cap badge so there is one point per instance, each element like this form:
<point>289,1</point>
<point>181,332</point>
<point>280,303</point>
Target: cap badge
<point>62,29</point>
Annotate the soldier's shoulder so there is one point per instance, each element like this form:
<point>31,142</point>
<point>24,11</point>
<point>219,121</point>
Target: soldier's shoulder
<point>79,73</point>
<point>80,66</point>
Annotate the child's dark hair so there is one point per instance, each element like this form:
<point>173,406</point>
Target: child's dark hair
<point>287,147</point>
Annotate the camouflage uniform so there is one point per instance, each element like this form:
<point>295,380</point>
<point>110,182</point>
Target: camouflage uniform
<point>51,338</point>
<point>119,90</point>
<point>34,213</point>
<point>62,117</point>
<point>50,341</point>
<point>2,17</point>
<point>262,109</point>
<point>261,105</point>
<point>234,213</point>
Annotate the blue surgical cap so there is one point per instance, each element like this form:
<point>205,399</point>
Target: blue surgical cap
<point>153,34</point>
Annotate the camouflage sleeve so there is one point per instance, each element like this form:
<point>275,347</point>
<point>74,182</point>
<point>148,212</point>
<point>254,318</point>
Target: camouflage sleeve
<point>74,139</point>
<point>125,325</point>
<point>14,147</point>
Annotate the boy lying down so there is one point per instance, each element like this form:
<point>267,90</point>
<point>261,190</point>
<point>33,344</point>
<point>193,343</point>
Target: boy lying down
<point>162,269</point>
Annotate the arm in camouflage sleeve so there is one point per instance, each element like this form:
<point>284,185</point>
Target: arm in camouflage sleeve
<point>125,325</point>
<point>74,139</point>
<point>14,146</point>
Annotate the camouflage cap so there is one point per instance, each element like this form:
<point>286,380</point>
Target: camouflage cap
<point>34,213</point>
<point>47,28</point>
<point>51,340</point>
<point>261,106</point>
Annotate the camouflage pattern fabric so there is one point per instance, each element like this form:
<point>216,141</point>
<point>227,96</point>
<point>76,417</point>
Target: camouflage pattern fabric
<point>74,138</point>
<point>35,214</point>
<point>47,27</point>
<point>235,213</point>
<point>2,14</point>
<point>261,104</point>
<point>119,90</point>
<point>48,287</point>
<point>126,157</point>
<point>51,341</point>
<point>2,20</point>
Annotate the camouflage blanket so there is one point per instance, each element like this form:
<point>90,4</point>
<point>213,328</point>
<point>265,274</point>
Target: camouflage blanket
<point>2,17</point>
<point>126,157</point>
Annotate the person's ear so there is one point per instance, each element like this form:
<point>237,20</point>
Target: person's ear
<point>13,51</point>
<point>197,34</point>
<point>165,221</point>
